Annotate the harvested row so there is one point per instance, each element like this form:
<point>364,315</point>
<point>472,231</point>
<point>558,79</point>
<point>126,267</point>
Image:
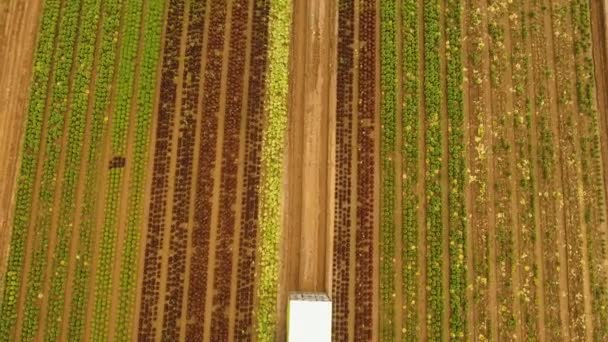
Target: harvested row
<point>480,188</point>
<point>41,218</point>
<point>145,101</point>
<point>222,280</point>
<point>594,196</point>
<point>344,94</point>
<point>183,173</point>
<point>75,136</point>
<point>575,227</point>
<point>525,224</point>
<point>160,177</point>
<point>546,155</point>
<point>203,206</point>
<point>35,126</point>
<point>501,123</point>
<point>252,165</point>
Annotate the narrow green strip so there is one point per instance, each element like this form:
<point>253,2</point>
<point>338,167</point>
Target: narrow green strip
<point>387,211</point>
<point>433,98</point>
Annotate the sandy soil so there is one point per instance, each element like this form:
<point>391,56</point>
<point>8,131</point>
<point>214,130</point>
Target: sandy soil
<point>18,39</point>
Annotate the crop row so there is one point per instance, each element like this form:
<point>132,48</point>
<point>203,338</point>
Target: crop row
<point>411,161</point>
<point>456,170</point>
<point>204,189</point>
<point>183,174</point>
<point>59,106</point>
<point>42,75</point>
<point>145,101</point>
<point>570,164</point>
<point>501,121</point>
<point>387,154</point>
<point>250,200</point>
<point>341,249</point>
<point>222,280</point>
<point>366,115</point>
<point>160,177</point>
<point>480,187</point>
<point>272,166</point>
<point>120,124</point>
<point>105,70</point>
<point>76,131</point>
<point>433,97</point>
<point>549,195</point>
<point>594,201</point>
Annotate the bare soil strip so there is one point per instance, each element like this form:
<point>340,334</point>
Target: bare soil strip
<point>17,35</point>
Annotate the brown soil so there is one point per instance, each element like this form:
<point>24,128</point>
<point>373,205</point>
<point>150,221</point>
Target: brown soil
<point>17,35</point>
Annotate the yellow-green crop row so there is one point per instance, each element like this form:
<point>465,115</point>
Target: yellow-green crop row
<point>60,101</point>
<point>105,70</point>
<point>120,124</point>
<point>388,120</point>
<point>43,66</point>
<point>433,97</point>
<point>145,102</point>
<point>77,122</point>
<point>272,167</point>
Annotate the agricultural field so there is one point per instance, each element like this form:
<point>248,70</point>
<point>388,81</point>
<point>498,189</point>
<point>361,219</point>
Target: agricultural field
<point>172,169</point>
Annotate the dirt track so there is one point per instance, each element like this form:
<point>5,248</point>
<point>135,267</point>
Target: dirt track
<point>17,35</point>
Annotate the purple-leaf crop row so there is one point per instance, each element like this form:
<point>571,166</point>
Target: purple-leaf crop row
<point>203,204</point>
<point>253,146</point>
<point>344,93</point>
<point>183,175</point>
<point>222,280</point>
<point>160,176</point>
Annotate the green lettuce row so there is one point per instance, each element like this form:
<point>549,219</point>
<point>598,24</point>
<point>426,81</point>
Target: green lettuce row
<point>43,65</point>
<point>77,122</point>
<point>62,93</point>
<point>277,85</point>
<point>387,154</point>
<point>456,172</point>
<point>433,98</point>
<point>411,157</point>
<point>105,74</point>
<point>145,101</point>
<point>120,126</point>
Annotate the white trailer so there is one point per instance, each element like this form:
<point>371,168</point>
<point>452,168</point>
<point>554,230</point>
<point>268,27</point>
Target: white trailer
<point>309,318</point>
